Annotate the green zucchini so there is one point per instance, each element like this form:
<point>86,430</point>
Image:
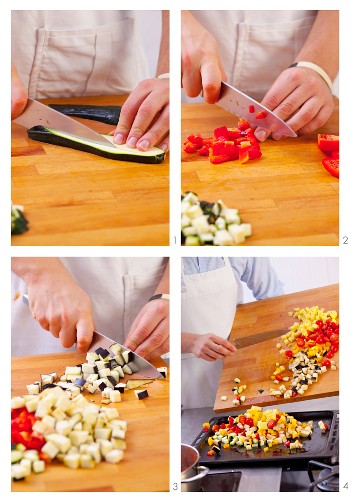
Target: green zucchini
<point>115,152</point>
<point>104,114</point>
<point>19,224</point>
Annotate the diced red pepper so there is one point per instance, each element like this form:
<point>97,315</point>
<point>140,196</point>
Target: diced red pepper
<point>288,353</point>
<point>195,139</point>
<point>190,147</point>
<point>243,124</point>
<point>204,151</point>
<point>210,453</point>
<point>251,109</point>
<point>261,114</point>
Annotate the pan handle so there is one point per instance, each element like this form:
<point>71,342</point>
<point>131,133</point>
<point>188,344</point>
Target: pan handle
<point>203,471</point>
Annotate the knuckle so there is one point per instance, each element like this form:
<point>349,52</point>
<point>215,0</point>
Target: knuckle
<point>288,108</point>
<point>271,101</point>
<point>307,115</point>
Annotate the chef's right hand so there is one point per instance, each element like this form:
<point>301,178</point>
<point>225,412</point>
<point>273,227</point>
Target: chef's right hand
<point>61,307</point>
<point>211,347</point>
<point>19,94</point>
<point>202,69</point>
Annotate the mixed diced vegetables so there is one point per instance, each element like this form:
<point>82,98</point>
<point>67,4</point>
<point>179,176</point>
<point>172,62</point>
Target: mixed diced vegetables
<point>309,347</point>
<point>54,421</point>
<point>258,429</point>
<point>205,223</point>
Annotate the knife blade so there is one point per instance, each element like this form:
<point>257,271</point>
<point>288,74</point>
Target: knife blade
<point>237,103</point>
<point>145,369</point>
<point>258,338</point>
<point>36,113</point>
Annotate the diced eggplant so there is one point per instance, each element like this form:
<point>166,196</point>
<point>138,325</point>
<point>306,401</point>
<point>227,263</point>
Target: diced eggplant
<point>142,394</point>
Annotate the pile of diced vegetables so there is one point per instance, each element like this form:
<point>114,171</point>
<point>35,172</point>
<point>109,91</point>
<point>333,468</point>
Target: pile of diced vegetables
<point>309,347</point>
<point>54,421</point>
<point>259,429</point>
<point>205,223</point>
<point>227,144</point>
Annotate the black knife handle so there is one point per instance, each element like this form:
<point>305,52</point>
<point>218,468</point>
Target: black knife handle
<point>104,114</point>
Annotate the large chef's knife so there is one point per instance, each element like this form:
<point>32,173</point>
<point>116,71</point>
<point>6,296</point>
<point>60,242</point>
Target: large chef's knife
<point>36,113</point>
<point>258,338</point>
<point>240,104</point>
<point>144,368</point>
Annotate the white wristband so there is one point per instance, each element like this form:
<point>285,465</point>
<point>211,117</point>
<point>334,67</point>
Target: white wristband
<point>316,68</point>
<point>164,75</point>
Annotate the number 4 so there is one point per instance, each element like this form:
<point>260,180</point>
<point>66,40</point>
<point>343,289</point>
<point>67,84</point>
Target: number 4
<point>346,485</point>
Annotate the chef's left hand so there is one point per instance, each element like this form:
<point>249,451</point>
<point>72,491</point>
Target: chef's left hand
<point>301,98</point>
<point>144,118</point>
<point>149,334</point>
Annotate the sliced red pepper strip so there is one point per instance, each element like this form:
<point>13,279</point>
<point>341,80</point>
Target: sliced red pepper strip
<point>328,143</point>
<point>331,165</point>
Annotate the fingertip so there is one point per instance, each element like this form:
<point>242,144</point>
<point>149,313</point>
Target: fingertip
<point>261,134</point>
<point>119,139</point>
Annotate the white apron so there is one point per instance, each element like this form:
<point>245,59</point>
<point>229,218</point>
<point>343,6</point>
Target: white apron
<point>76,53</point>
<point>256,46</point>
<point>208,306</point>
<point>118,289</point>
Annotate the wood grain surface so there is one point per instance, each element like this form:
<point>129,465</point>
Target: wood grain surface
<point>76,198</point>
<point>287,195</point>
<point>145,466</point>
<point>254,365</point>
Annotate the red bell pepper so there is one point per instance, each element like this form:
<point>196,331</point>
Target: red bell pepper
<point>328,143</point>
<point>331,165</point>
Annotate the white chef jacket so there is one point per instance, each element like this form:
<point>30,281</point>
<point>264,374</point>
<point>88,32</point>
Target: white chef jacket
<point>256,46</point>
<point>118,288</point>
<point>78,52</point>
<point>256,272</point>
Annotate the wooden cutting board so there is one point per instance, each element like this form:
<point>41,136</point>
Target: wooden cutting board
<point>254,365</point>
<point>145,466</point>
<point>76,198</point>
<point>287,195</point>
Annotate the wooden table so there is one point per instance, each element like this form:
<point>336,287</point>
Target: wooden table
<point>287,195</point>
<point>145,466</point>
<point>76,198</point>
<point>254,365</point>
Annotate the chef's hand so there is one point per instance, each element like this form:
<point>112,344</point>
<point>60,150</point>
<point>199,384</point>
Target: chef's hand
<point>61,307</point>
<point>144,118</point>
<point>202,69</point>
<point>301,98</point>
<point>149,333</point>
<point>211,347</point>
<point>19,94</point>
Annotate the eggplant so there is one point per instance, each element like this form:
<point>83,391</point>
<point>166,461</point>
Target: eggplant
<point>115,152</point>
<point>103,114</point>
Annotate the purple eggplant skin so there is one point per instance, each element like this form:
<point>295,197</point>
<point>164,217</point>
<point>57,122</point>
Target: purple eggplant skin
<point>103,114</point>
<point>41,134</point>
